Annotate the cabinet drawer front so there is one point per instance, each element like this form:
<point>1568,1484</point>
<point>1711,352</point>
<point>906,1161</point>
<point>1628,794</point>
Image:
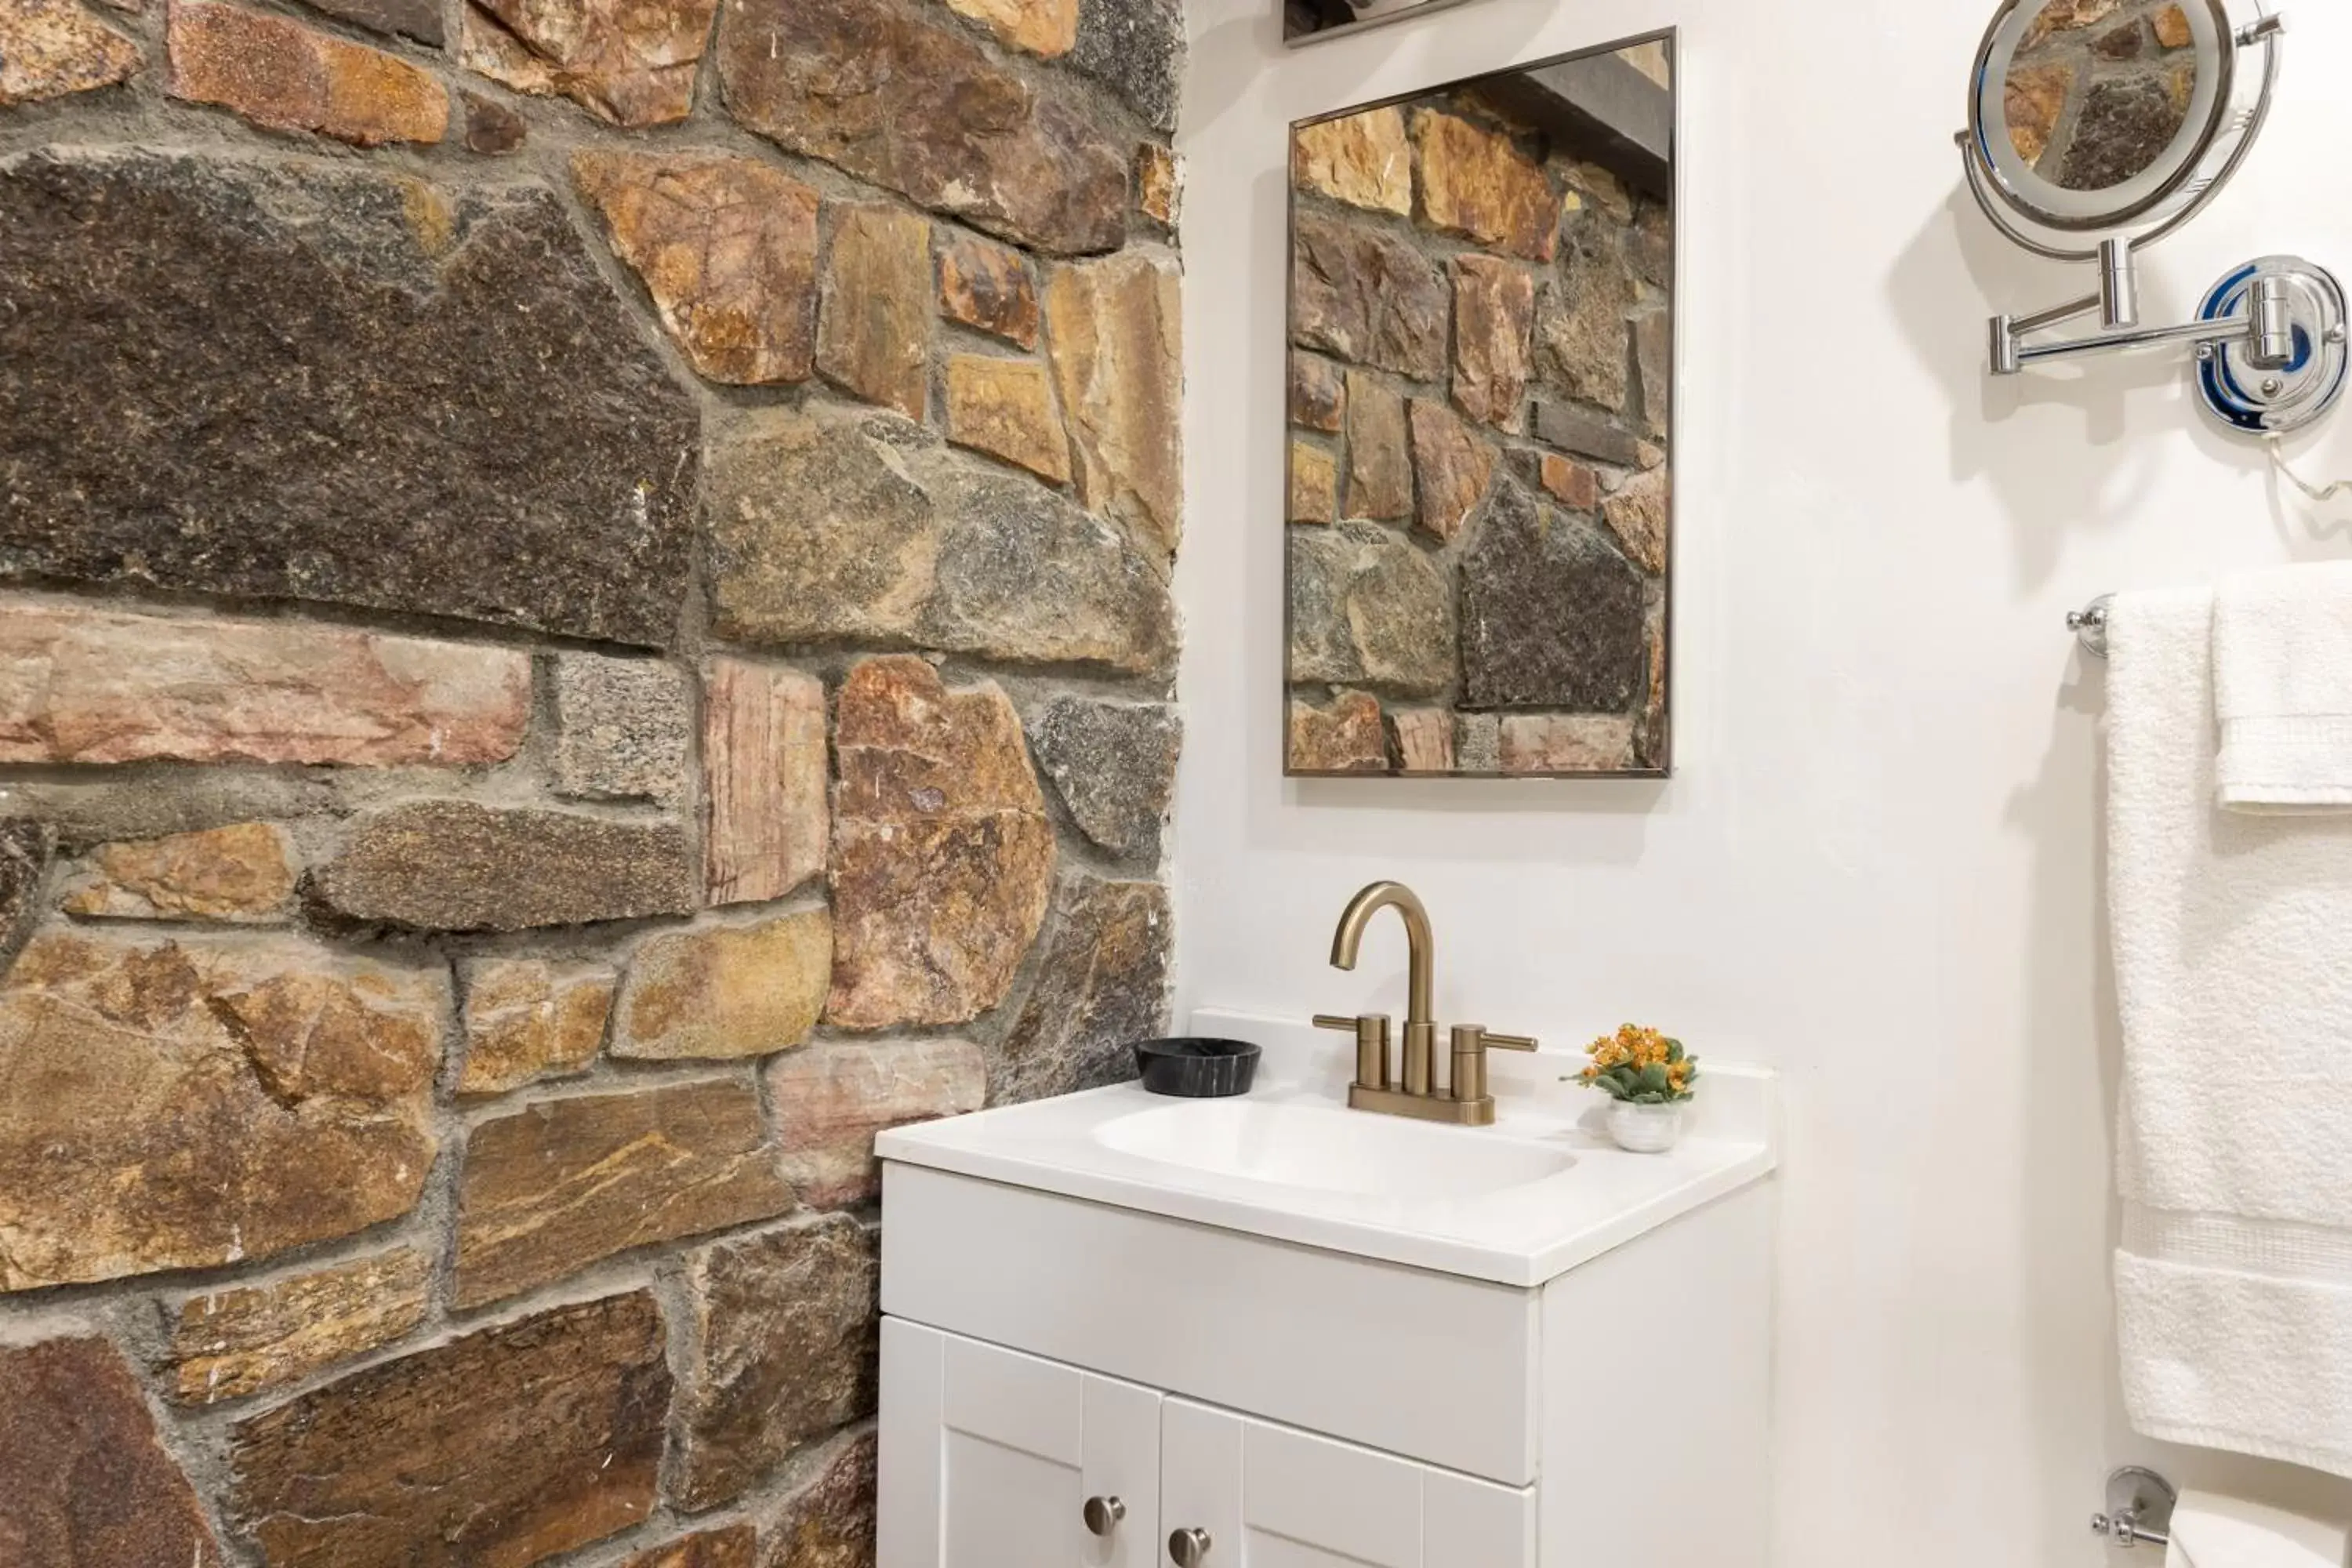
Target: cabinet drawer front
<point>1430,1366</point>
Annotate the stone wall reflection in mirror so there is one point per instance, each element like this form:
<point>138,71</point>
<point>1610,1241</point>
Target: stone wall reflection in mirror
<point>1481,342</point>
<point>2098,89</point>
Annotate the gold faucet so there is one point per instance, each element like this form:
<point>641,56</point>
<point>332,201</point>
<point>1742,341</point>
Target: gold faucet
<point>1465,1101</point>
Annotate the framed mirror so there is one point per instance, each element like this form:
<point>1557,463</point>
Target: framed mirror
<point>1479,511</point>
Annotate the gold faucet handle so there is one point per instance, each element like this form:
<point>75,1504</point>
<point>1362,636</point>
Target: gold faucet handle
<point>1371,1032</point>
<point>1471,1044</point>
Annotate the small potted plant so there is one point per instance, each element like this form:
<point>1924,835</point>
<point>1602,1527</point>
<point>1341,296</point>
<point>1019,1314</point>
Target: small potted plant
<point>1649,1079</point>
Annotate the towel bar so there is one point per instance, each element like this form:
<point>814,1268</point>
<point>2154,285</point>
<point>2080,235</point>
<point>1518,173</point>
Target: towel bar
<point>2089,625</point>
<point>2139,1509</point>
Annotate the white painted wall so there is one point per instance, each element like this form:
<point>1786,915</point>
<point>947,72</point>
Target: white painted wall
<point>1877,866</point>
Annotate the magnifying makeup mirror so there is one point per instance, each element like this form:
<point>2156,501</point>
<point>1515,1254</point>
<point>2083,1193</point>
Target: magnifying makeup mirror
<point>2097,129</point>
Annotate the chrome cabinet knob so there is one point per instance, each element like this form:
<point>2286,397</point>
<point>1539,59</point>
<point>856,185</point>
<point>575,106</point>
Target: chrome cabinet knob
<point>1189,1547</point>
<point>1103,1514</point>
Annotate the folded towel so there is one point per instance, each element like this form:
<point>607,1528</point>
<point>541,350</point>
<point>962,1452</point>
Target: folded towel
<point>2233,975</point>
<point>2211,1532</point>
<point>2283,689</point>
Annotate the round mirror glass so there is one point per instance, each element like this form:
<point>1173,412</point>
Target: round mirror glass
<point>2097,114</point>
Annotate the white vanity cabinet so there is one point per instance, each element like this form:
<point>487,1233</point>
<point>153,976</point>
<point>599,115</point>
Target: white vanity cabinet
<point>995,1459</point>
<point>1324,1338</point>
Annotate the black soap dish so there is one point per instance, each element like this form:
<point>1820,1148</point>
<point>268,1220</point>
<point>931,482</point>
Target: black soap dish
<point>1197,1069</point>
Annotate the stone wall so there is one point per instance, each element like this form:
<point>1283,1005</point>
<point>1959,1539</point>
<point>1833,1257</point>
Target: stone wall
<point>1480,329</point>
<point>584,622</point>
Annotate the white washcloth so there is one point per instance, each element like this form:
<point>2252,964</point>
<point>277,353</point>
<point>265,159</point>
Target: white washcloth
<point>2211,1532</point>
<point>2283,689</point>
<point>2233,975</point>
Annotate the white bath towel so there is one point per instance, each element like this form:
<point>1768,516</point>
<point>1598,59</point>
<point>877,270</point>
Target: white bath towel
<point>2234,973</point>
<point>2283,689</point>
<point>2212,1531</point>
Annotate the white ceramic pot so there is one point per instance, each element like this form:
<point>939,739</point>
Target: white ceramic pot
<point>1645,1129</point>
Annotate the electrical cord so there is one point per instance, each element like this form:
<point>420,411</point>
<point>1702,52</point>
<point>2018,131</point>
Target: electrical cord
<point>2314,493</point>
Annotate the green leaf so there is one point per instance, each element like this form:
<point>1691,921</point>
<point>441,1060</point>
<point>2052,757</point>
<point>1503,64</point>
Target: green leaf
<point>1674,1052</point>
<point>1654,1080</point>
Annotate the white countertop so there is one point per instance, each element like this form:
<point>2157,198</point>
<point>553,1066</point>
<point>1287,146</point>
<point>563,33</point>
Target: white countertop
<point>1522,1236</point>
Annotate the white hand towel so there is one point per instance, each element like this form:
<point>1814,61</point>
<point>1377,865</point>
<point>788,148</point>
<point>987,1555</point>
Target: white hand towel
<point>2210,1531</point>
<point>2233,971</point>
<point>2283,689</point>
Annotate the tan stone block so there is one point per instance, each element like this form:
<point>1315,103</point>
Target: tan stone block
<point>622,728</point>
<point>1451,468</point>
<point>832,1099</point>
<point>1159,183</point>
<point>1583,329</point>
<point>1361,159</point>
<point>988,286</point>
<point>2035,99</point>
<point>279,73</point>
<point>1319,394</point>
<point>299,1083</point>
<point>1314,483</point>
<point>1005,407</point>
<point>451,865</point>
<point>1567,743</point>
<point>943,854</point>
<point>1047,27</point>
<point>49,49</point>
<point>1570,482</point>
<point>242,873</point>
<point>87,1480</point>
<point>1364,293</point>
<point>1493,317</point>
<point>827,1521</point>
<point>93,686</point>
<point>244,1339</point>
<point>509,1446</point>
<point>1637,515</point>
<point>726,991</point>
<point>1346,737</point>
<point>1379,462</point>
<point>1475,182</point>
<point>874,329</point>
<point>1099,984</point>
<point>733,1547</point>
<point>632,62</point>
<point>782,1351</point>
<point>557,1185</point>
<point>526,1019</point>
<point>1424,740</point>
<point>765,776</point>
<point>896,99</point>
<point>727,248</point>
<point>1119,364</point>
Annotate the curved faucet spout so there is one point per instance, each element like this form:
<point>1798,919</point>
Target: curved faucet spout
<point>1420,943</point>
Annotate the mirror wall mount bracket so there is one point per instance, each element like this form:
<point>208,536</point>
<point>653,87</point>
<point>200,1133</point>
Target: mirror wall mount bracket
<point>2269,339</point>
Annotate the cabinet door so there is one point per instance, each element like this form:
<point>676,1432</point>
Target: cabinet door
<point>1268,1497</point>
<point>989,1458</point>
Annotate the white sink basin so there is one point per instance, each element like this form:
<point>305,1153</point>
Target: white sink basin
<point>1326,1149</point>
